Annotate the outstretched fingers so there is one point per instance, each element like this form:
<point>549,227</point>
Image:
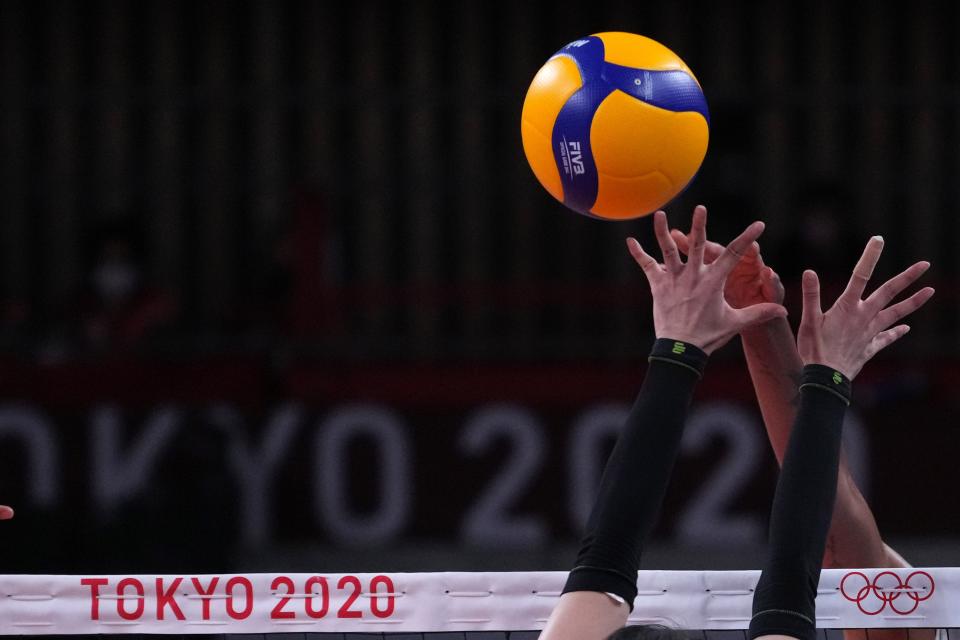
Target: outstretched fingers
<point>890,289</point>
<point>650,266</point>
<point>902,309</point>
<point>698,235</point>
<point>711,250</point>
<point>671,256</point>
<point>739,247</point>
<point>864,269</point>
<point>886,338</point>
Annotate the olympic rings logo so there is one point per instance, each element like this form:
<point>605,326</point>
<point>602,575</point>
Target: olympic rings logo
<point>887,588</point>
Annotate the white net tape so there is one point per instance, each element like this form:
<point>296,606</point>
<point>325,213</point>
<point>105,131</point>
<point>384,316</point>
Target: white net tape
<point>442,602</point>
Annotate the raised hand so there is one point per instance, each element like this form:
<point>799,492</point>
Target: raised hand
<point>853,330</point>
<point>6,513</point>
<point>750,282</point>
<point>688,298</point>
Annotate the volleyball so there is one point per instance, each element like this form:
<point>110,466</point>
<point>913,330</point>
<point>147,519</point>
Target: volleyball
<point>615,125</point>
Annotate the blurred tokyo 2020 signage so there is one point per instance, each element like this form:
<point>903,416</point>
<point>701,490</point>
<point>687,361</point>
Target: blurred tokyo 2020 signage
<point>481,459</point>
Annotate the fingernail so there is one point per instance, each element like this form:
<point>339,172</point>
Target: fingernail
<point>880,238</point>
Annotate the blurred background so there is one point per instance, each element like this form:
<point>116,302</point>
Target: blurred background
<point>278,289</point>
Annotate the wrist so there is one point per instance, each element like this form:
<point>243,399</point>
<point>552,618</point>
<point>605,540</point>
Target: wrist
<point>826,378</point>
<point>843,368</point>
<point>772,345</point>
<point>679,353</point>
<point>675,334</point>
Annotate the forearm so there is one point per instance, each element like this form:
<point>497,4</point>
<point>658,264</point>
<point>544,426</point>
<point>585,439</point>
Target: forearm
<point>802,507</point>
<point>854,539</point>
<point>775,368</point>
<point>636,476</point>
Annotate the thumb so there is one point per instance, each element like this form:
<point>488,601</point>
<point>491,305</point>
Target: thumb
<point>771,286</point>
<point>5,512</point>
<point>760,313</point>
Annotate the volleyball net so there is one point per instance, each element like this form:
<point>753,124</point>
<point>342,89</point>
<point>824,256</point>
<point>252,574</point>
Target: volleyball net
<point>445,606</point>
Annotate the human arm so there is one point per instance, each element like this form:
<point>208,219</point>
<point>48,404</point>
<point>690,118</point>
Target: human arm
<point>770,348</point>
<point>691,319</point>
<point>854,539</point>
<point>833,346</point>
<point>775,368</point>
<point>631,490</point>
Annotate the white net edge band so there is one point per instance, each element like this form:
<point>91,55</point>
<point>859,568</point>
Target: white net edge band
<point>442,602</point>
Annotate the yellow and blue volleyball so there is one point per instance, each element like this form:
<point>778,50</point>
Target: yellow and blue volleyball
<point>615,125</point>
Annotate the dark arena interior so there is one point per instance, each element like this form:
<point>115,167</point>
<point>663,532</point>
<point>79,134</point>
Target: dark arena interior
<point>280,294</point>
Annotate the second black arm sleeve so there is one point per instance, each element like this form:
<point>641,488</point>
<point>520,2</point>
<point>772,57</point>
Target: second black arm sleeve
<point>783,602</point>
<point>637,474</point>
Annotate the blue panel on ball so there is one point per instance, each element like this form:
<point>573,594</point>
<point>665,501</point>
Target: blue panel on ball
<point>588,54</point>
<point>673,90</point>
<point>571,131</point>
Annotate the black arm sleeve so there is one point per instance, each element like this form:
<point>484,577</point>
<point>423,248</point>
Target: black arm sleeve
<point>637,473</point>
<point>783,602</point>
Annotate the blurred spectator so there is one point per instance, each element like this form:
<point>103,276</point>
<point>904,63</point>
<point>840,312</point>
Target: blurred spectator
<point>121,307</point>
<point>301,292</point>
